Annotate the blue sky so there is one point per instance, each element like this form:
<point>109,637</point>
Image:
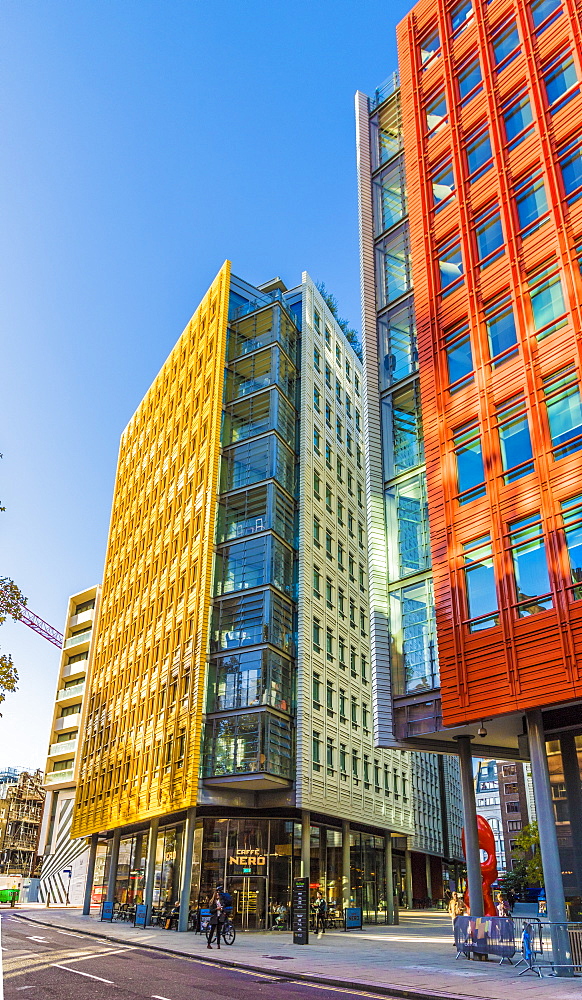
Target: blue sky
<point>143,143</point>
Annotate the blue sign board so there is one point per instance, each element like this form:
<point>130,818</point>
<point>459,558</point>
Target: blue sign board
<point>141,914</point>
<point>107,910</point>
<point>353,917</point>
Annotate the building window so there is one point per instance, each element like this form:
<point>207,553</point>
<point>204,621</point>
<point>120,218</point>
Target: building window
<point>355,765</point>
<point>429,46</point>
<point>338,354</point>
<point>480,584</point>
<point>406,429</point>
<point>517,118</point>
<point>415,667</point>
<point>489,237</point>
<point>316,745</point>
<point>338,391</point>
<point>317,635</point>
<point>469,80</point>
<point>412,525</point>
<point>338,429</point>
<point>328,544</point>
<point>364,669</point>
<point>450,261</point>
<point>316,582</point>
<point>349,443</point>
<point>572,518</point>
<point>478,153</point>
<point>343,758</point>
<point>366,770</point>
<point>547,301</point>
<point>328,454</point>
<point>329,754</point>
<point>386,780</point>
<point>329,593</point>
<point>316,485</point>
<point>329,644</point>
<point>469,457</point>
<point>317,321</point>
<point>328,414</point>
<point>341,603</point>
<point>393,267</point>
<point>316,399</point>
<point>316,441</point>
<point>362,624</point>
<point>340,512</point>
<point>365,716</point>
<point>436,113</point>
<point>570,159</point>
<point>329,697</point>
<point>339,469</point>
<point>510,788</point>
<point>376,776</point>
<point>342,705</point>
<point>461,15</point>
<point>530,568</point>
<point>316,532</point>
<point>531,204</point>
<point>342,649</point>
<point>353,659</point>
<point>544,13</point>
<point>316,359</point>
<point>514,825</point>
<point>560,81</point>
<point>389,198</point>
<point>443,185</point>
<point>501,332</point>
<point>354,712</point>
<point>506,45</point>
<point>340,555</point>
<point>514,439</point>
<point>512,807</point>
<point>327,375</point>
<point>328,498</point>
<point>564,409</point>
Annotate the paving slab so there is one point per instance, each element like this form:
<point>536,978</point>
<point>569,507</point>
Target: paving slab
<point>413,959</point>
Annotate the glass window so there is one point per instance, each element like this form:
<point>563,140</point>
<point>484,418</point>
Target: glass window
<point>469,456</point>
<point>528,551</point>
<point>389,198</point>
<point>443,184</point>
<point>547,301</point>
<point>461,15</point>
<point>316,745</point>
<point>506,45</point>
<point>459,357</point>
<point>316,359</point>
<point>316,441</point>
<point>517,118</point>
<point>429,46</point>
<point>343,757</point>
<point>388,130</point>
<point>571,167</point>
<point>393,263</point>
<point>330,753</point>
<point>514,438</point>
<point>560,80</point>
<point>316,582</point>
<point>436,113</point>
<point>450,261</point>
<point>572,517</point>
<point>398,351</point>
<point>501,332</point>
<point>479,154</point>
<point>412,522</point>
<point>489,237</point>
<point>564,409</point>
<point>317,531</point>
<point>542,11</point>
<point>531,203</point>
<point>249,678</point>
<point>469,80</point>
<point>317,647</point>
<point>415,660</point>
<point>316,399</point>
<point>480,584</point>
<point>406,429</point>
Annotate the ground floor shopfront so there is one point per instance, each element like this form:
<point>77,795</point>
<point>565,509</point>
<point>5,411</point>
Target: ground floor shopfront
<point>257,857</point>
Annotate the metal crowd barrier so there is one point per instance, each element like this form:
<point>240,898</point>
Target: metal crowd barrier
<point>545,946</point>
<point>485,936</point>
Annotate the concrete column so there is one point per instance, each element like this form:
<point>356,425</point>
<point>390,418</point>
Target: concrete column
<point>346,863</point>
<point>472,853</point>
<point>548,841</point>
<point>151,866</point>
<point>428,876</point>
<point>90,874</point>
<point>408,864</point>
<point>187,854</point>
<point>574,793</point>
<point>305,843</point>
<point>113,862</point>
<point>389,879</point>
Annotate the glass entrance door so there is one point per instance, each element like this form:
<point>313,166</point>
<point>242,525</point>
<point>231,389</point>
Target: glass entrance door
<point>248,901</point>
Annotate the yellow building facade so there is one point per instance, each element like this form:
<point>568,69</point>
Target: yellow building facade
<point>141,751</point>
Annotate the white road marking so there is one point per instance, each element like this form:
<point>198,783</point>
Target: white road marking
<point>32,937</point>
<point>79,973</point>
<point>155,997</point>
<point>26,987</point>
<point>69,933</point>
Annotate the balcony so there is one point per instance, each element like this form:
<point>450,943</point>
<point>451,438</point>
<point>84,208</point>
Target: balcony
<point>77,640</point>
<point>72,692</point>
<point>56,777</point>
<point>67,747</point>
<point>85,616</point>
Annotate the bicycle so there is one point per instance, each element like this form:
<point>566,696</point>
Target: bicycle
<point>227,931</point>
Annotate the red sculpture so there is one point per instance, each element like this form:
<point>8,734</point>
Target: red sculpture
<point>488,867</point>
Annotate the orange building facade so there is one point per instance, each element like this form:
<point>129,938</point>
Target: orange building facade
<point>491,97</point>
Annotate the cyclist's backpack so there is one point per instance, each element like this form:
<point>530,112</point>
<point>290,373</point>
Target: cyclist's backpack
<point>226,900</point>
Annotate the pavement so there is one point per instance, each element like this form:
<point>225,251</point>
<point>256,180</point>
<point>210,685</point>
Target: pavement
<point>415,959</point>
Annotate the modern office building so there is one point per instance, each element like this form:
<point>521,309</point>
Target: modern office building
<point>228,733</point>
<point>64,861</point>
<point>489,806</point>
<point>480,382</point>
<point>21,804</point>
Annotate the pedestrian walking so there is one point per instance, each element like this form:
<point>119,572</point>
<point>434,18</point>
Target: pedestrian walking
<point>320,913</point>
<point>456,907</point>
<point>217,918</point>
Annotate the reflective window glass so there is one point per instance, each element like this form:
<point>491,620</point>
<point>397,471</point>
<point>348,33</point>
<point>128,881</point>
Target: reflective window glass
<point>480,584</point>
<point>506,44</point>
<point>397,341</point>
<point>469,457</point>
<point>412,520</point>
<point>443,185</point>
<point>532,204</point>
<point>389,198</point>
<point>415,667</point>
<point>572,517</point>
<point>571,167</point>
<point>469,79</point>
<point>436,112</point>
<point>514,438</point>
<point>518,119</point>
<point>459,357</point>
<point>547,301</point>
<point>489,238</point>
<point>479,155</point>
<point>501,331</point>
<point>461,15</point>
<point>450,265</point>
<point>541,11</point>
<point>429,46</point>
<point>560,79</point>
<point>530,567</point>
<point>564,409</point>
<point>406,429</point>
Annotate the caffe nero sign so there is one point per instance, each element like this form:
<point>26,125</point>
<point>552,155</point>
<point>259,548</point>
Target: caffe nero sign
<point>247,861</point>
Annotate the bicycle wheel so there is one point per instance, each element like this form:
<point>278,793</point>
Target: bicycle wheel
<point>228,933</point>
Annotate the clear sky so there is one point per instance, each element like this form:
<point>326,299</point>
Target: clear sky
<point>143,142</point>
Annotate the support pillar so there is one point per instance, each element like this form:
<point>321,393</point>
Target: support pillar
<point>151,866</point>
<point>346,863</point>
<point>574,795</point>
<point>187,855</point>
<point>408,865</point>
<point>90,874</point>
<point>472,853</point>
<point>548,842</point>
<point>428,878</point>
<point>305,843</point>
<point>389,879</point>
<point>113,862</point>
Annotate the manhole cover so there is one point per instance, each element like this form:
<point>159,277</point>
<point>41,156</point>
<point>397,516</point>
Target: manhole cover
<point>281,958</point>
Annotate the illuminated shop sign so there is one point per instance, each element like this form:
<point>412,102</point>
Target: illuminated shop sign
<point>247,861</point>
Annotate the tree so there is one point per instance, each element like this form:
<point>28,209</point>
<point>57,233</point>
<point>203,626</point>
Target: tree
<point>12,601</point>
<point>527,865</point>
<point>349,333</point>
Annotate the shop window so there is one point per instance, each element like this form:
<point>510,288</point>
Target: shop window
<point>547,300</point>
<point>443,185</point>
<point>480,589</point>
<point>514,438</point>
<point>530,568</point>
<point>561,81</point>
<point>489,237</point>
<point>570,160</point>
<point>461,15</point>
<point>506,45</point>
<point>429,46</point>
<point>450,261</point>
<point>469,80</point>
<point>531,204</point>
<point>572,518</point>
<point>436,113</point>
<point>469,458</point>
<point>501,331</point>
<point>564,409</point>
<point>544,13</point>
<point>478,153</point>
<point>517,118</point>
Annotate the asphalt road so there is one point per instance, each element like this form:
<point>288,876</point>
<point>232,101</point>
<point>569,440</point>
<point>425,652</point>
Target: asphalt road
<point>51,964</point>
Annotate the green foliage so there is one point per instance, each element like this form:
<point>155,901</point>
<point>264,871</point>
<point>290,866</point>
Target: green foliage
<point>8,676</point>
<point>349,333</point>
<point>527,863</point>
<point>12,601</point>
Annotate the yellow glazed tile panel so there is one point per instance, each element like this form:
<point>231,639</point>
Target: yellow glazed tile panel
<point>141,747</point>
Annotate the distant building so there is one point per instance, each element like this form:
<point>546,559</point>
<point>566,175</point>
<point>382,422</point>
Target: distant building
<point>489,805</point>
<point>21,804</point>
<point>513,803</point>
<point>64,864</point>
